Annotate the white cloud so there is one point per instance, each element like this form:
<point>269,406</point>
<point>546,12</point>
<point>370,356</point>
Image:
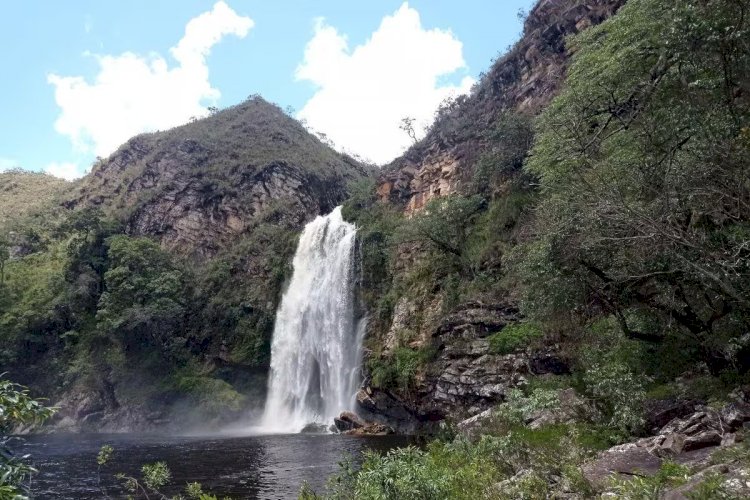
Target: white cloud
<point>134,93</point>
<point>364,93</point>
<point>64,170</point>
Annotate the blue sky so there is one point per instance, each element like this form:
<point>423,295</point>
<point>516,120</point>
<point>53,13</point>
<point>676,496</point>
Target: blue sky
<point>82,76</point>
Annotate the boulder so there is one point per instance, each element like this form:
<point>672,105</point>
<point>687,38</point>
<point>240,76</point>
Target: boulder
<point>660,412</point>
<point>702,439</point>
<point>383,407</point>
<point>371,429</point>
<point>348,421</point>
<point>734,415</point>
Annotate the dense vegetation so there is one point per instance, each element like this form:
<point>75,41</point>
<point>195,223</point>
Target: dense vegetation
<point>619,222</point>
<point>91,302</point>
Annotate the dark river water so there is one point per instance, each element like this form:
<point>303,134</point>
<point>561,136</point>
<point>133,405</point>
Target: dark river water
<point>240,467</point>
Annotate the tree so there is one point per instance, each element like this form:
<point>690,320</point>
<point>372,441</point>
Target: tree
<point>145,298</point>
<point>407,125</point>
<point>444,226</point>
<point>645,172</point>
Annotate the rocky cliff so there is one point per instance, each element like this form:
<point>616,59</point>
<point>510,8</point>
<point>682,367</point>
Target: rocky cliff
<point>465,376</point>
<point>523,80</point>
<point>199,186</point>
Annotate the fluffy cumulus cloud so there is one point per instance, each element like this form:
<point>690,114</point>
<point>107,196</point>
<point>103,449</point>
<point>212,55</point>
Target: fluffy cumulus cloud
<point>135,93</point>
<point>64,170</point>
<point>363,93</point>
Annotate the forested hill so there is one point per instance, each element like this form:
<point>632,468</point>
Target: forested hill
<point>563,265</point>
<point>151,284</point>
<point>556,278</point>
<point>198,186</point>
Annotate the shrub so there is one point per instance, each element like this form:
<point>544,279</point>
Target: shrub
<point>514,337</point>
<point>399,370</point>
<point>619,394</point>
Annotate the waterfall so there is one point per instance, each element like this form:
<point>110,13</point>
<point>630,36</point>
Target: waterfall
<point>316,347</point>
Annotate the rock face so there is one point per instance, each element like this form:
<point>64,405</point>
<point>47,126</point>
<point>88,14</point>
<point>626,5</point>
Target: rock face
<point>524,80</point>
<point>199,186</point>
<point>465,378</point>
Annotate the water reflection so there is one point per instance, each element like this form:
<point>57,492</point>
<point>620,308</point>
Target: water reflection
<point>240,467</point>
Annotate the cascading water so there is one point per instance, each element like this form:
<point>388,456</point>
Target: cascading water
<point>316,348</point>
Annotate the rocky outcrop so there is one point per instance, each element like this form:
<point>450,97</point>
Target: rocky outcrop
<point>690,440</point>
<point>465,378</point>
<point>198,187</point>
<point>353,425</point>
<point>524,80</point>
<point>385,408</point>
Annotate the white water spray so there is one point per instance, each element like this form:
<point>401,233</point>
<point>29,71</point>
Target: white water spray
<point>316,348</point>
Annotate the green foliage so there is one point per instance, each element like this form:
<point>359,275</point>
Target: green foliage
<point>154,478</point>
<point>523,463</point>
<point>145,296</point>
<point>155,475</point>
<point>509,142</point>
<point>238,292</point>
<point>377,224</point>
<point>643,161</point>
<point>17,407</point>
<point>514,337</point>
<point>619,394</point>
<point>104,455</point>
<point>212,397</point>
<point>400,369</point>
<point>444,226</point>
<point>519,407</point>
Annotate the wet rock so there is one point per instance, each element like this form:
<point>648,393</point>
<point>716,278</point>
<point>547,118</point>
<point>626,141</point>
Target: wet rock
<point>348,421</point>
<point>314,428</point>
<point>371,429</point>
<point>382,407</point>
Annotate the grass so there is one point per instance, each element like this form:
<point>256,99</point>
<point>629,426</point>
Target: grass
<point>514,337</point>
<point>23,194</point>
<point>220,155</point>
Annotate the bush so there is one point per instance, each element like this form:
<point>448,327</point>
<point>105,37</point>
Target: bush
<point>16,408</point>
<point>399,370</point>
<point>619,394</point>
<point>514,337</point>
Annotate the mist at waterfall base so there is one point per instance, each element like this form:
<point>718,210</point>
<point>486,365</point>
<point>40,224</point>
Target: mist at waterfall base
<point>317,341</point>
<point>315,373</point>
